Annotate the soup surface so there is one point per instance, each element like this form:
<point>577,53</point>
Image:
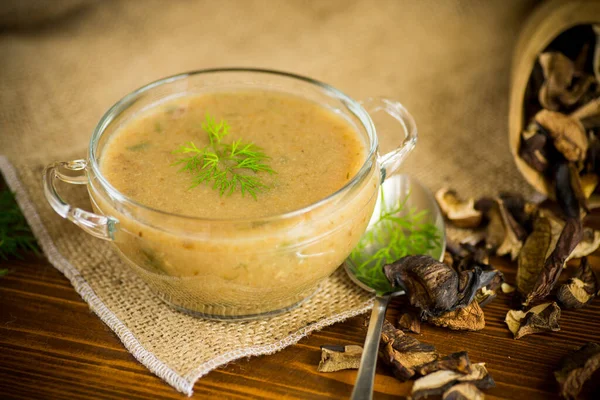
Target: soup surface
<point>313,151</point>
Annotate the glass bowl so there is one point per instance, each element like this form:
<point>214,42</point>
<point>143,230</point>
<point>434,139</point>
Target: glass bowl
<point>235,268</point>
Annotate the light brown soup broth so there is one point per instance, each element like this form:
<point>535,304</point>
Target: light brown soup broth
<point>313,151</point>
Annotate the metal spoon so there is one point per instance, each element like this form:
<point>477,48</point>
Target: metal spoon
<point>398,186</point>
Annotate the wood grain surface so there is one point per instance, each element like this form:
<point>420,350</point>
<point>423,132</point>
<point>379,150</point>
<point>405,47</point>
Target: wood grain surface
<point>53,347</point>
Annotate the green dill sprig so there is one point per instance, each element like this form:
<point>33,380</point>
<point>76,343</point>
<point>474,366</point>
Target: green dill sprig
<point>225,166</point>
<point>398,232</point>
<point>15,234</point>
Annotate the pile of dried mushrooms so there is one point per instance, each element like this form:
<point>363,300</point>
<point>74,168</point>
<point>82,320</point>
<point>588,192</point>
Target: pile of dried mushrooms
<point>452,376</point>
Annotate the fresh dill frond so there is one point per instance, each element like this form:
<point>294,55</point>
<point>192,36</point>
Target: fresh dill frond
<point>15,234</point>
<point>225,166</point>
<point>398,232</point>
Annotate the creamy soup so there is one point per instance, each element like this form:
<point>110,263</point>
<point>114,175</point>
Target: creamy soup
<point>312,150</point>
<point>247,265</point>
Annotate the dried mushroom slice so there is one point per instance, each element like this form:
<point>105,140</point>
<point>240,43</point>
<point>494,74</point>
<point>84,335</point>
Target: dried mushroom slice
<point>463,391</point>
<point>458,362</point>
<point>589,244</point>
<point>567,134</point>
<point>567,241</point>
<point>504,234</point>
<point>582,186</point>
<point>541,318</point>
<point>469,318</point>
<point>436,383</point>
<point>533,147</point>
<point>434,287</point>
<point>337,358</point>
<point>402,352</point>
<point>560,89</point>
<point>409,322</point>
<point>537,247</point>
<point>431,285</point>
<point>506,288</point>
<point>579,372</point>
<point>580,289</point>
<point>588,114</point>
<point>461,213</point>
<point>520,209</point>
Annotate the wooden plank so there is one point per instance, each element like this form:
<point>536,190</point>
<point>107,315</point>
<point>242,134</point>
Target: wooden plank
<point>53,346</point>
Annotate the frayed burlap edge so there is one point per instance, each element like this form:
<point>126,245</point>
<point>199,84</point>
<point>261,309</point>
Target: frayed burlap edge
<point>184,384</point>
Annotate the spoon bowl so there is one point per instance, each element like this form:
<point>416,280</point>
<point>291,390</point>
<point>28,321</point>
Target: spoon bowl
<point>419,198</point>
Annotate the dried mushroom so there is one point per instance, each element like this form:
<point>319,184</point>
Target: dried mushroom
<point>561,88</point>
<point>568,134</point>
<point>463,391</point>
<point>533,148</point>
<point>520,209</point>
<point>458,362</point>
<point>580,289</point>
<point>506,288</point>
<point>504,234</point>
<point>461,213</point>
<point>536,249</point>
<point>567,241</point>
<point>541,318</point>
<point>579,373</point>
<point>434,287</point>
<point>337,358</point>
<point>469,318</point>
<point>588,245</point>
<point>402,352</point>
<point>409,322</point>
<point>436,383</point>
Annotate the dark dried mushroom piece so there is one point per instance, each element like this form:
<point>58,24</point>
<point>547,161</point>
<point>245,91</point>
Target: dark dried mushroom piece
<point>567,241</point>
<point>533,147</point>
<point>436,383</point>
<point>461,213</point>
<point>469,318</point>
<point>431,285</point>
<point>336,358</point>
<point>579,372</point>
<point>521,210</point>
<point>535,250</point>
<point>402,352</point>
<point>408,321</point>
<point>458,362</point>
<point>504,234</point>
<point>541,318</point>
<point>567,134</point>
<point>580,289</point>
<point>434,287</point>
<point>561,88</point>
<point>463,391</point>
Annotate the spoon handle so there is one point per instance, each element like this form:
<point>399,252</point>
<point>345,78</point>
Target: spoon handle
<point>363,389</point>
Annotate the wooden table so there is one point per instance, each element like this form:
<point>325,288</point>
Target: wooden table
<point>53,347</point>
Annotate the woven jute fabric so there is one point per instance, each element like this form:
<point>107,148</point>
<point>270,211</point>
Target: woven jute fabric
<point>447,62</point>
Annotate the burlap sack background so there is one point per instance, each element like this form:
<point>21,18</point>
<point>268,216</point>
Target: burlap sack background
<point>447,62</point>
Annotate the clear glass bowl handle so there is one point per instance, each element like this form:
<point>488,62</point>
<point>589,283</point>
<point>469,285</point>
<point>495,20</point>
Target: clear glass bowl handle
<point>379,107</point>
<point>97,225</point>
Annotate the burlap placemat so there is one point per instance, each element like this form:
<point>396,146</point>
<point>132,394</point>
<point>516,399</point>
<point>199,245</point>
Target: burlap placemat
<point>448,62</point>
<point>176,347</point>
